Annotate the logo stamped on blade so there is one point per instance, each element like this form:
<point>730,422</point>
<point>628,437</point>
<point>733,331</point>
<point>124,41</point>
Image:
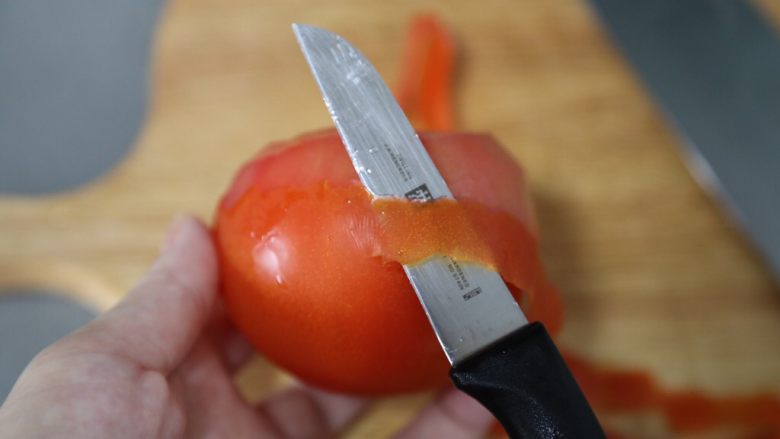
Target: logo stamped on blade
<point>400,163</point>
<point>419,194</point>
<point>473,293</point>
<point>458,275</point>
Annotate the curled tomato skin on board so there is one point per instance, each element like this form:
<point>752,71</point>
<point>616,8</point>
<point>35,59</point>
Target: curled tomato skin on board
<point>311,264</point>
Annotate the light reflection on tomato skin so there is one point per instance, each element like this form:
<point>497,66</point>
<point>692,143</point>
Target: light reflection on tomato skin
<point>271,254</point>
<point>310,267</point>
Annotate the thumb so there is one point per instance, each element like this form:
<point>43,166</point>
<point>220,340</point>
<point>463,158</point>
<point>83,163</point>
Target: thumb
<point>157,323</point>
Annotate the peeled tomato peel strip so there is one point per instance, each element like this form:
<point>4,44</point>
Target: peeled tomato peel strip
<point>686,411</point>
<point>425,84</point>
<point>469,232</point>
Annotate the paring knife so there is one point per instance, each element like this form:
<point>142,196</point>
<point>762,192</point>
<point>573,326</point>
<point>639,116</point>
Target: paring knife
<point>714,68</point>
<point>509,365</point>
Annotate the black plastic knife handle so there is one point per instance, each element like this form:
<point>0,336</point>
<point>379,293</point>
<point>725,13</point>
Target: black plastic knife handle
<point>524,382</point>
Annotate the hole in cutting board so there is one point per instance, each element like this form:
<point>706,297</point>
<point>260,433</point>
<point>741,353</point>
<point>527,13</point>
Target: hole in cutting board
<point>30,320</point>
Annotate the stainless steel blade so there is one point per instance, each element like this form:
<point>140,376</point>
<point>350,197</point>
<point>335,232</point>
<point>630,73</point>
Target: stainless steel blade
<point>469,307</point>
<point>714,68</point>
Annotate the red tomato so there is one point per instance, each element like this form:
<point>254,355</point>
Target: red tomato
<point>310,270</point>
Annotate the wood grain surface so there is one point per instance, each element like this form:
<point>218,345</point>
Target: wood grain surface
<point>653,275</point>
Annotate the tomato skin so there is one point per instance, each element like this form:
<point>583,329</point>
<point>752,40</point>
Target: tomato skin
<point>304,275</point>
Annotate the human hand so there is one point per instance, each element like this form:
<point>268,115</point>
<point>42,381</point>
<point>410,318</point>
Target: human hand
<point>160,364</point>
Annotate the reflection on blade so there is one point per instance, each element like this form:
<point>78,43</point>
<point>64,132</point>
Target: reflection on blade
<point>383,146</point>
<point>469,307</point>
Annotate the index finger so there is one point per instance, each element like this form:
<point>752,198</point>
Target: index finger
<point>158,322</point>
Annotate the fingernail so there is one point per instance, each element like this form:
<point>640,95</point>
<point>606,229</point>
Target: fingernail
<point>174,232</point>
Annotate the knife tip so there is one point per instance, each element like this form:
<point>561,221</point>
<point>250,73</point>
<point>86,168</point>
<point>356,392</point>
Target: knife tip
<point>307,32</point>
<point>296,28</point>
<point>300,29</point>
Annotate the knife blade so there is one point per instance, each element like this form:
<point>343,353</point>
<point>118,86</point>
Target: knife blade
<point>714,69</point>
<point>510,365</point>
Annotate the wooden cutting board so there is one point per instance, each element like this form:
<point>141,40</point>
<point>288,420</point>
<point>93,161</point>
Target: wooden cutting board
<point>653,275</point>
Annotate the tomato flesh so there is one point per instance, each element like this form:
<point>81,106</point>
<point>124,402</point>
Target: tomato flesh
<point>310,263</point>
